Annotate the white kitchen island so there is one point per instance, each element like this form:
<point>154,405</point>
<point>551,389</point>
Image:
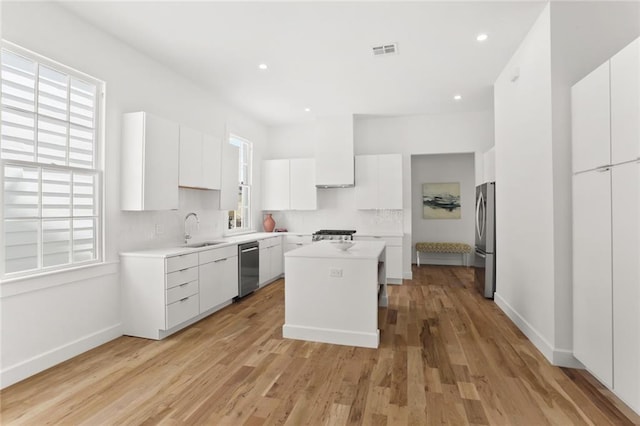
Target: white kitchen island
<point>332,296</point>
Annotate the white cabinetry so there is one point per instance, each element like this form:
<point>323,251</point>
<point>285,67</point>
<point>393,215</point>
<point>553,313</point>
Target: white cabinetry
<point>289,184</point>
<point>606,230</point>
<point>218,272</point>
<point>271,264</point>
<point>334,151</point>
<point>229,177</point>
<point>394,255</point>
<point>378,182</point>
<point>158,294</point>
<point>294,241</point>
<point>149,171</point>
<point>199,160</point>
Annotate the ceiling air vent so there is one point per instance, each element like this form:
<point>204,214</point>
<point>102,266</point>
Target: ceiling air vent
<point>385,49</point>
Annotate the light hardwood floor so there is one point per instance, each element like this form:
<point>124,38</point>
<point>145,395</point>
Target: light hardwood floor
<point>447,356</point>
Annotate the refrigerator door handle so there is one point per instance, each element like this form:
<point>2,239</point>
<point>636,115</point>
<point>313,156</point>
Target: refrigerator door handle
<point>480,213</point>
<point>481,254</point>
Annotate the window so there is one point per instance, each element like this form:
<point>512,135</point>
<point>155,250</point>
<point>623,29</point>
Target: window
<point>50,177</point>
<point>240,218</point>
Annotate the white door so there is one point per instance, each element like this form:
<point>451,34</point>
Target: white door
<point>592,288</point>
<point>625,104</point>
<point>625,195</point>
<point>590,120</point>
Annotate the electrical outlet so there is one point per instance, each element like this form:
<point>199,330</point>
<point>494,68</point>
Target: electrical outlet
<point>158,229</point>
<point>335,272</point>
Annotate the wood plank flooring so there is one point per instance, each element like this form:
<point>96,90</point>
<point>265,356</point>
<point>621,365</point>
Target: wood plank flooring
<point>447,356</point>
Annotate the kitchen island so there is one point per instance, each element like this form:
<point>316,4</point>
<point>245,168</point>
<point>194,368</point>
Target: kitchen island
<point>332,296</point>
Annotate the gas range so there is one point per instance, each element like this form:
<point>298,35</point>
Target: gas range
<point>332,234</point>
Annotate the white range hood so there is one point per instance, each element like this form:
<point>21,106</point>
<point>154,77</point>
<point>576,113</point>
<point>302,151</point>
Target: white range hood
<point>334,152</point>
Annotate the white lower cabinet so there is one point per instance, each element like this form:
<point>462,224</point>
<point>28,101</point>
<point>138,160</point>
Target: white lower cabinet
<point>163,294</point>
<point>218,273</point>
<point>394,255</point>
<point>271,264</point>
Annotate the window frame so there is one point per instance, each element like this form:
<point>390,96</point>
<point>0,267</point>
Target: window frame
<point>247,223</point>
<point>97,171</point>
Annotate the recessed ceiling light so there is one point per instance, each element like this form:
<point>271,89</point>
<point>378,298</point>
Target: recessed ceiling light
<point>482,37</point>
<point>457,97</point>
<point>307,110</point>
<point>263,66</point>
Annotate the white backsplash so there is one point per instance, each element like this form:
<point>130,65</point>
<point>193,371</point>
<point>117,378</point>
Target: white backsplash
<point>336,210</point>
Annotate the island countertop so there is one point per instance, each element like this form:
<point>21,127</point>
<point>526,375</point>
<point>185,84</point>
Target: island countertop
<point>327,250</point>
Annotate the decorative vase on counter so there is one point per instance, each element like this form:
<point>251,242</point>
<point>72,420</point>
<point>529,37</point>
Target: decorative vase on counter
<point>268,224</point>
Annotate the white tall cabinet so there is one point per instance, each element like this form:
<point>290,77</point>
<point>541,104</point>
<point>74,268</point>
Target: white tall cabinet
<point>606,225</point>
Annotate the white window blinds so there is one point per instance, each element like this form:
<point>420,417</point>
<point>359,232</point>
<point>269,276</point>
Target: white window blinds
<point>50,179</point>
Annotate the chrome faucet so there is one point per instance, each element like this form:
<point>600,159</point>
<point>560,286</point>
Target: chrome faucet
<point>187,234</point>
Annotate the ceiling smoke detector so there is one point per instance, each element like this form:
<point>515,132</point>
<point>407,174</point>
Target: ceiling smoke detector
<point>385,49</point>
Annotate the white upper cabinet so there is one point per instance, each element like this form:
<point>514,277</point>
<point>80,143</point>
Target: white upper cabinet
<point>334,151</point>
<point>229,178</point>
<point>378,182</point>
<point>625,104</point>
<point>149,169</point>
<point>590,120</point>
<point>289,184</point>
<point>199,160</point>
<point>275,185</point>
<point>302,184</point>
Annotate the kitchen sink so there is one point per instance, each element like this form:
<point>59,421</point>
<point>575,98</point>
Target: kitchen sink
<point>204,244</point>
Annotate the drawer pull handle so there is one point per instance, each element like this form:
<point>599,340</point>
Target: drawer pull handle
<point>220,260</point>
<point>182,285</point>
<point>183,299</point>
<point>182,270</point>
<point>377,237</point>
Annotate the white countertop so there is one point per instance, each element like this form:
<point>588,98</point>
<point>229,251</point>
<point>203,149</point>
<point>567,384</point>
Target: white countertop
<point>183,249</point>
<point>327,249</point>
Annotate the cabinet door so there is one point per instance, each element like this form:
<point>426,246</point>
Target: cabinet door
<point>366,189</point>
<point>390,182</point>
<point>590,120</point>
<point>228,288</point>
<point>264,270</point>
<point>229,177</point>
<point>210,160</point>
<point>190,158</point>
<point>207,278</point>
<point>302,184</point>
<point>625,104</point>
<point>276,267</point>
<point>275,185</point>
<point>160,164</point>
<point>625,180</point>
<point>592,299</point>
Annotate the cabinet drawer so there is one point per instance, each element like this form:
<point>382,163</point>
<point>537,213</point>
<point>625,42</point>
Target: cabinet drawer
<point>269,242</point>
<point>182,276</point>
<point>217,254</point>
<point>184,261</point>
<point>182,310</point>
<point>181,291</point>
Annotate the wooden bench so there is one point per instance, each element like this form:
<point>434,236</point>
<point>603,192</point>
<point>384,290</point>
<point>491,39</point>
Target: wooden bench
<point>459,248</point>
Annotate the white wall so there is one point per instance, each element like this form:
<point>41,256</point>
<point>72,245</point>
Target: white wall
<point>48,320</point>
<point>533,163</point>
<point>442,168</point>
<point>407,135</point>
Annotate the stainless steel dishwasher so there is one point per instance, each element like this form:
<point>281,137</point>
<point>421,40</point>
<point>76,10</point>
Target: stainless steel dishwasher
<point>248,267</point>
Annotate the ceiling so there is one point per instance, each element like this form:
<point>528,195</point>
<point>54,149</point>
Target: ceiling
<point>319,54</point>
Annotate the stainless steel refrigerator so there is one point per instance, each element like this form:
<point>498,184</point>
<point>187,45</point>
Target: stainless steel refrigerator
<point>485,250</point>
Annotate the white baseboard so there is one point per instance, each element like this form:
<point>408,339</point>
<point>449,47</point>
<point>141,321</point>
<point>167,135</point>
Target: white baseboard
<point>326,335</point>
<point>556,356</point>
<point>38,363</point>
